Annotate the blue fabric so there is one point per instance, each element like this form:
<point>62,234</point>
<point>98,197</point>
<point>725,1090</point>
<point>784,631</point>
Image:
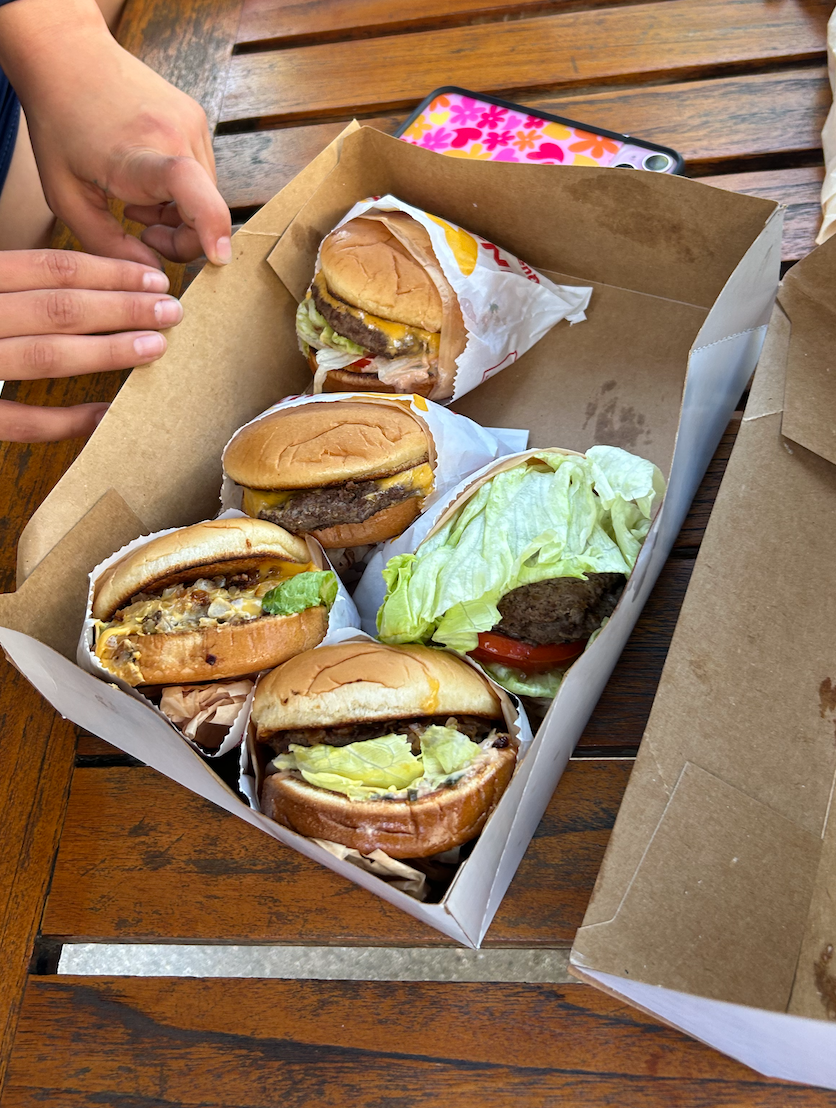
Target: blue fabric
<point>9,120</point>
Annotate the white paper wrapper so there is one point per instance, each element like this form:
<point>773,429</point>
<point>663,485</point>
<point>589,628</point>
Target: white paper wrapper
<point>379,864</point>
<point>458,446</point>
<point>343,614</point>
<point>828,136</point>
<point>506,305</point>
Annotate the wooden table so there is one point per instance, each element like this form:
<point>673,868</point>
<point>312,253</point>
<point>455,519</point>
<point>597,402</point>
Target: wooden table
<point>97,848</point>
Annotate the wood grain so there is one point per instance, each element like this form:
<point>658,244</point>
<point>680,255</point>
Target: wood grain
<point>798,189</point>
<point>621,44</point>
<point>36,750</point>
<point>140,1043</point>
<point>272,23</point>
<point>143,858</point>
<point>711,123</point>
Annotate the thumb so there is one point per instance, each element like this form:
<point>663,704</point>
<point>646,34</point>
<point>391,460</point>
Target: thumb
<point>167,177</point>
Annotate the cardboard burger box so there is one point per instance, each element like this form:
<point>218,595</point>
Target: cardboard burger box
<point>684,278</point>
<point>715,907</point>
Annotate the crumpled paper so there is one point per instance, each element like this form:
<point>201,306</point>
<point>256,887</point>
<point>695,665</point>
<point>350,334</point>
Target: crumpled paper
<point>828,136</point>
<point>391,870</point>
<point>190,706</point>
<point>506,306</point>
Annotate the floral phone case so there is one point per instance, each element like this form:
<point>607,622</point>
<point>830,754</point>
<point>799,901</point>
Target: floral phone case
<point>467,125</point>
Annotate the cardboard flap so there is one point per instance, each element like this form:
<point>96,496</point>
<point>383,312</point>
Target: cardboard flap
<point>225,373</point>
<point>814,991</point>
<point>810,395</point>
<point>49,605</point>
<point>716,855</point>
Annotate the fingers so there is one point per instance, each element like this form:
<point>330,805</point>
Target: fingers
<point>86,213</point>
<point>27,423</point>
<point>82,312</point>
<point>181,244</point>
<point>27,358</point>
<point>189,185</point>
<point>152,214</point>
<point>24,270</point>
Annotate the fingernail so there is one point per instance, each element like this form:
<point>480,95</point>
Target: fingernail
<point>168,312</point>
<point>155,281</point>
<point>149,346</point>
<point>223,250</point>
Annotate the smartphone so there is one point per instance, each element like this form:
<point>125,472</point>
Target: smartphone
<point>467,124</point>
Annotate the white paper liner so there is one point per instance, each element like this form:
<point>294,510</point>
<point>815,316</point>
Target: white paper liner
<point>506,305</point>
<point>381,865</point>
<point>828,136</point>
<point>342,614</point>
<point>458,446</point>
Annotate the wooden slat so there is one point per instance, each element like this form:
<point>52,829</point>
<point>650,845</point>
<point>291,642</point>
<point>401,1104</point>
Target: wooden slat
<point>709,122</point>
<point>270,23</point>
<point>138,1043</point>
<point>36,752</point>
<point>141,857</point>
<point>37,747</point>
<point>799,189</point>
<point>648,41</point>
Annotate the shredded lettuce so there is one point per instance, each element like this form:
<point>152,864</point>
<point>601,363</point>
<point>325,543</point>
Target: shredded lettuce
<point>313,330</point>
<point>385,766</point>
<point>304,590</point>
<point>526,684</point>
<point>554,515</point>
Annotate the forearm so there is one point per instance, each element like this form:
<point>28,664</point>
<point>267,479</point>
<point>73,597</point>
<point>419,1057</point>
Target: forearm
<point>36,34</point>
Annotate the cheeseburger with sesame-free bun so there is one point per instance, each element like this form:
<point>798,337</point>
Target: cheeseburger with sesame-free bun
<point>220,599</point>
<point>350,473</point>
<point>379,313</point>
<point>403,749</point>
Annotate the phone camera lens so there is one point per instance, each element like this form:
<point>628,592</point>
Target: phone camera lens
<point>658,163</point>
<point>623,165</point>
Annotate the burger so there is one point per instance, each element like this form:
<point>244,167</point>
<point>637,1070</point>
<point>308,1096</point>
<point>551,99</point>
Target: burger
<point>348,473</point>
<point>220,599</point>
<point>402,749</point>
<point>379,313</point>
<point>527,564</point>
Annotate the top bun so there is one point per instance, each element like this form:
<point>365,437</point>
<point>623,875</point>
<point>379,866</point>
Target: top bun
<point>365,265</point>
<point>212,549</point>
<point>325,443</point>
<point>363,681</point>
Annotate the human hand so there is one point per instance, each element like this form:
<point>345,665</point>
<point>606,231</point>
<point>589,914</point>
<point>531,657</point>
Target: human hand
<point>104,125</point>
<point>54,304</point>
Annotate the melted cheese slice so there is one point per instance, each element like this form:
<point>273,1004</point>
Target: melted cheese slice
<point>418,480</point>
<point>245,601</point>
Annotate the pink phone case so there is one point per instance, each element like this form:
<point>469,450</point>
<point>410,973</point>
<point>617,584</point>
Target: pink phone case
<point>467,126</point>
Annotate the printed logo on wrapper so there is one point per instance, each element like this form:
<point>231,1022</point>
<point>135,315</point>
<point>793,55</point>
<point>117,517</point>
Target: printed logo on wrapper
<point>343,614</point>
<point>506,305</point>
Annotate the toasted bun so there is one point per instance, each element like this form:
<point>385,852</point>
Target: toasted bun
<point>214,653</point>
<point>365,265</point>
<point>377,528</point>
<point>361,681</point>
<point>346,380</point>
<point>403,828</point>
<point>214,548</point>
<point>325,443</point>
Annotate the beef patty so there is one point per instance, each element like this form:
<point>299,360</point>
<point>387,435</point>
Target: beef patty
<point>352,502</point>
<point>475,727</point>
<point>354,324</point>
<point>563,609</point>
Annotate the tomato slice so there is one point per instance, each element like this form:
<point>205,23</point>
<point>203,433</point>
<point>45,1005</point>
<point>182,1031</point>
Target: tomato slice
<point>359,365</point>
<point>501,649</point>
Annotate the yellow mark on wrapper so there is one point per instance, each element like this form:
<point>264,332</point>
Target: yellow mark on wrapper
<point>463,245</point>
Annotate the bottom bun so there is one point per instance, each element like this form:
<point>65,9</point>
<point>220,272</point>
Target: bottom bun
<point>439,821</point>
<point>215,653</point>
<point>382,525</point>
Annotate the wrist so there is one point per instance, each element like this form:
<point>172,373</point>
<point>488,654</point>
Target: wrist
<point>36,34</point>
